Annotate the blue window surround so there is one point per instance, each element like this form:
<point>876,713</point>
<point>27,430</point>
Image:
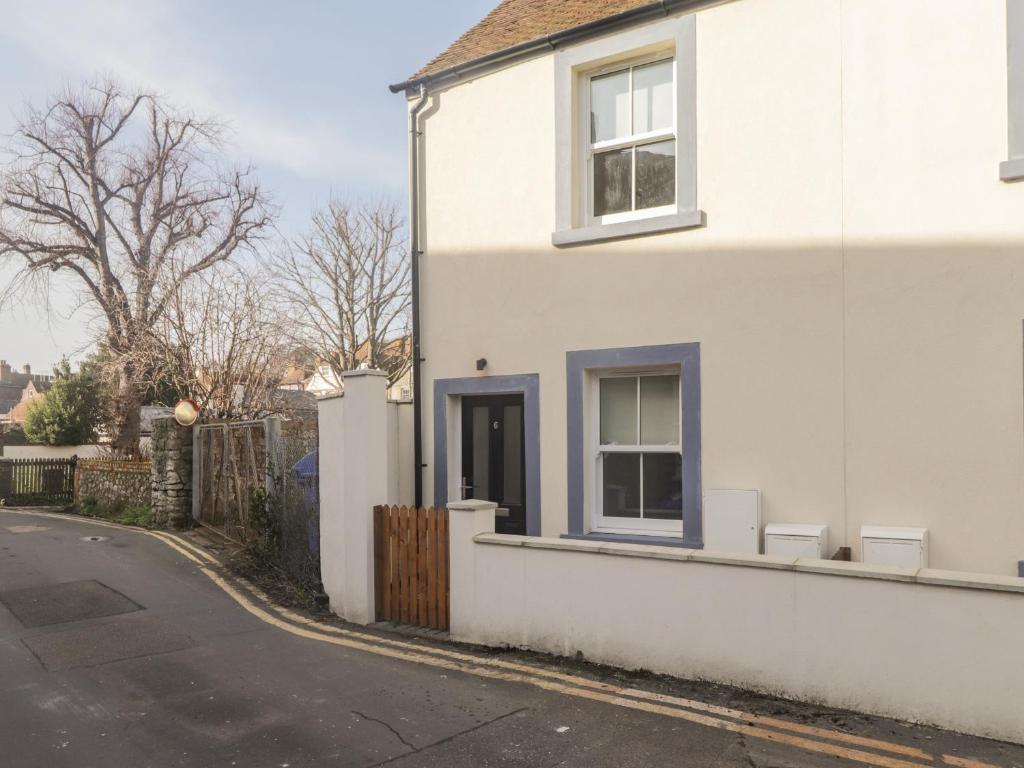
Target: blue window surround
<point>687,357</point>
<point>528,385</point>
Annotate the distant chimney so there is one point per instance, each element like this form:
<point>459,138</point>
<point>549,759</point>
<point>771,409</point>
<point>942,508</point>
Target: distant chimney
<point>26,369</point>
<point>5,370</point>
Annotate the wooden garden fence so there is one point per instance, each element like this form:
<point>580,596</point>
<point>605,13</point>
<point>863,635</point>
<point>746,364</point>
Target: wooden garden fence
<point>411,565</point>
<point>37,482</point>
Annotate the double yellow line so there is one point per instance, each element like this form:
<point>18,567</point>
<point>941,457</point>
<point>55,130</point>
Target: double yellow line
<point>813,739</point>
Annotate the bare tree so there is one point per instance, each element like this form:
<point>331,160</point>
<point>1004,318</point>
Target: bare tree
<point>346,284</point>
<point>127,197</point>
<point>219,342</point>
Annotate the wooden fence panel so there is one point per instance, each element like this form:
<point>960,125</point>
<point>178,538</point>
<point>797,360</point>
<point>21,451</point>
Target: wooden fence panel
<point>442,569</point>
<point>421,566</point>
<point>411,565</point>
<point>378,555</point>
<point>411,570</point>
<point>432,565</point>
<point>405,578</point>
<point>26,482</point>
<point>392,527</point>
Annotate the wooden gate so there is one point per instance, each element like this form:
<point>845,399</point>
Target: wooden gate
<point>230,460</point>
<point>411,565</point>
<point>37,482</point>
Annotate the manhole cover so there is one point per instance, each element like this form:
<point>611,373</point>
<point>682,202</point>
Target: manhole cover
<point>95,538</point>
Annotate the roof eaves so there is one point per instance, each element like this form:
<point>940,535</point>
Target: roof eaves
<point>530,48</point>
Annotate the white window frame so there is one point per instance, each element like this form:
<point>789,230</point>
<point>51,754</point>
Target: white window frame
<point>622,525</point>
<point>674,37</point>
<point>1012,169</point>
<point>586,157</point>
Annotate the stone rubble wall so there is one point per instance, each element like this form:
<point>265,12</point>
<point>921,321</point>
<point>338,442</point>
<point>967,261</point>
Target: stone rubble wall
<point>171,488</point>
<point>114,481</point>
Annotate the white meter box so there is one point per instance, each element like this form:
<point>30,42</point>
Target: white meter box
<point>732,521</point>
<point>796,540</point>
<point>900,547</point>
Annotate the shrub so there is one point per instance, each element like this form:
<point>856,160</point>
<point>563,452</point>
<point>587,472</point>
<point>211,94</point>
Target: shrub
<point>138,515</point>
<point>69,414</point>
<point>264,524</point>
<point>13,434</point>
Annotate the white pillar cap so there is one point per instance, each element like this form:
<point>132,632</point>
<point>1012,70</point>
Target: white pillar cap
<point>363,372</point>
<point>471,505</point>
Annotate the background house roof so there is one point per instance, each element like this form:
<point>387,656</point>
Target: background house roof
<point>520,21</point>
<point>14,391</point>
<point>10,396</point>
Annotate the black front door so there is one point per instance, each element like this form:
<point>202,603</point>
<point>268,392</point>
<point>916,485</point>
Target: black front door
<point>493,457</point>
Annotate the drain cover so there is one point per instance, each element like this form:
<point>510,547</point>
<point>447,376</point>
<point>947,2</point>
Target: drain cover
<point>95,538</point>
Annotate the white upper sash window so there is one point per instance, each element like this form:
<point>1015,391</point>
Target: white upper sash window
<point>631,154</point>
<point>626,134</point>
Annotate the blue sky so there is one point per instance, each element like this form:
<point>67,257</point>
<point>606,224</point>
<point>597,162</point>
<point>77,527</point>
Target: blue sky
<point>303,85</point>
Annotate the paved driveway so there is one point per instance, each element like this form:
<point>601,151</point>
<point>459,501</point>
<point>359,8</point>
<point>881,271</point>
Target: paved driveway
<point>128,652</point>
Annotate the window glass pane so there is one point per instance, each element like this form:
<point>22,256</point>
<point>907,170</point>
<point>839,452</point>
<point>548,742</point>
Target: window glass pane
<point>513,446</point>
<point>656,174</point>
<point>652,97</point>
<point>609,106</point>
<point>663,486</point>
<point>659,410</point>
<point>621,491</point>
<point>618,411</point>
<point>613,181</point>
<point>481,453</point>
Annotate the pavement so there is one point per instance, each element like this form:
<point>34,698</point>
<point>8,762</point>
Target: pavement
<point>120,647</point>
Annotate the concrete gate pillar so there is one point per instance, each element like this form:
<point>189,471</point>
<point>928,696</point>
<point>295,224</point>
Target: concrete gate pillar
<point>465,520</point>
<point>354,477</point>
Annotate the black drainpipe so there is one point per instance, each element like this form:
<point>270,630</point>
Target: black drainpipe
<point>414,255</point>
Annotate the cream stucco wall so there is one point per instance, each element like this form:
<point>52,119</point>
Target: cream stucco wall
<point>842,634</point>
<point>857,291</point>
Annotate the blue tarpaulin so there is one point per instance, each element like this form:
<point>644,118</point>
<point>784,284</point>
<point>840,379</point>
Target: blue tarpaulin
<point>307,473</point>
<point>308,467</point>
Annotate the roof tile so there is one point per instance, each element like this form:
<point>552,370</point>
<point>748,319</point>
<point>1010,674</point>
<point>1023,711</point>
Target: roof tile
<point>520,21</point>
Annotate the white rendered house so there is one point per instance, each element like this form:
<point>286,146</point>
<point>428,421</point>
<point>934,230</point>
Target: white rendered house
<point>669,249</point>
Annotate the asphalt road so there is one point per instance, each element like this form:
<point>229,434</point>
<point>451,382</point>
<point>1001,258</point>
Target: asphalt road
<point>127,651</point>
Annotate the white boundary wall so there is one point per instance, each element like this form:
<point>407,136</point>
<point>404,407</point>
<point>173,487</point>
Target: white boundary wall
<point>366,459</point>
<point>925,645</point>
<point>929,646</point>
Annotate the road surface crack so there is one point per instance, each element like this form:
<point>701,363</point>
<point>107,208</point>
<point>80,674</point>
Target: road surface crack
<point>388,726</point>
<point>441,741</point>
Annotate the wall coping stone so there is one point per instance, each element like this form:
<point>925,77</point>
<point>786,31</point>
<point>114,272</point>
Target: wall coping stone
<point>114,465</point>
<point>363,372</point>
<point>924,576</point>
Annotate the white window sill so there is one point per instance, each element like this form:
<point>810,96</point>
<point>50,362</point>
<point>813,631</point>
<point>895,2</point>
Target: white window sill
<point>614,530</point>
<point>636,228</point>
<point>645,539</point>
<point>1012,170</point>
